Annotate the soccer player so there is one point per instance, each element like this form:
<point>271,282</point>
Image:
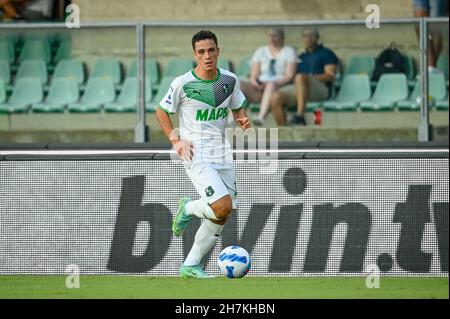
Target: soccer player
<point>203,98</point>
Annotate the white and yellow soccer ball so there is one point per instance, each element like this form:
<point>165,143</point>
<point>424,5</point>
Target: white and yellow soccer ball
<point>234,262</point>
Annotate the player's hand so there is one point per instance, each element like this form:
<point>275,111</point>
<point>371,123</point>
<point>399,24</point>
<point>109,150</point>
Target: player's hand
<point>243,122</point>
<point>184,150</point>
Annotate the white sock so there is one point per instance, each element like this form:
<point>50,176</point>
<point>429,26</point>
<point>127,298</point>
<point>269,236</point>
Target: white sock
<point>200,208</point>
<point>205,239</point>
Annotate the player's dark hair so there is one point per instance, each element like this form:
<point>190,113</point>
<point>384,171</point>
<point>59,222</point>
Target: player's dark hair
<point>203,35</point>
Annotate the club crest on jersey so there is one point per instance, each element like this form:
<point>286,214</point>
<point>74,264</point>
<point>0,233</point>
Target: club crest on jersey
<point>209,191</point>
<point>226,88</point>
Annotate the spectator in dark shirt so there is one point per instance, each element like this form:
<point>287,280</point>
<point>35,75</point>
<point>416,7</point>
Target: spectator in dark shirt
<point>315,75</point>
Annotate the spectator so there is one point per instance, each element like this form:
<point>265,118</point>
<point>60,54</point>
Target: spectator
<point>315,75</point>
<point>273,66</point>
<point>9,8</point>
<point>431,8</point>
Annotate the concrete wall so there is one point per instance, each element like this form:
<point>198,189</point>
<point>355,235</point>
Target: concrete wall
<point>229,10</point>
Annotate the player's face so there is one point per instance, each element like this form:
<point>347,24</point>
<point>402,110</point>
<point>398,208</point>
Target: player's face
<point>206,53</point>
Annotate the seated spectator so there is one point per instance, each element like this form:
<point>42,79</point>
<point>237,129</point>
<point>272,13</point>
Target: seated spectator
<point>313,82</point>
<point>272,67</point>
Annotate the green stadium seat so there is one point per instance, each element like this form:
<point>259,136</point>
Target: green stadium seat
<point>2,91</point>
<point>33,69</point>
<point>408,64</point>
<point>360,64</point>
<point>107,69</point>
<point>178,66</point>
<point>5,72</point>
<point>162,90</point>
<point>151,71</point>
<point>26,92</point>
<point>70,69</point>
<point>62,92</point>
<point>437,90</point>
<point>7,51</point>
<point>127,100</point>
<point>243,69</point>
<point>354,89</point>
<point>63,52</point>
<point>224,64</point>
<point>35,49</point>
<point>411,103</point>
<point>391,88</point>
<point>441,105</point>
<point>442,64</point>
<point>98,91</point>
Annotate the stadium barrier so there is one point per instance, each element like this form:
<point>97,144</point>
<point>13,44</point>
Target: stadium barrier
<point>424,128</point>
<point>326,210</point>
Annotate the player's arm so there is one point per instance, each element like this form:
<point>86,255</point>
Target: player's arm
<point>241,118</point>
<point>183,148</point>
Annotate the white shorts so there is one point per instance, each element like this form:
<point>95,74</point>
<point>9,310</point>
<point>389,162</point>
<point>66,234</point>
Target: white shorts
<point>213,181</point>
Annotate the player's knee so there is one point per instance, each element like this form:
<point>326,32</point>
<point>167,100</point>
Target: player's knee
<point>222,208</point>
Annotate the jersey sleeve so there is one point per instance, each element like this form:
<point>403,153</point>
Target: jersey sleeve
<point>171,101</point>
<point>238,99</point>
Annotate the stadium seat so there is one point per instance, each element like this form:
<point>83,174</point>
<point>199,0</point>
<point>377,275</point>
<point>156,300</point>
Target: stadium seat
<point>354,89</point>
<point>5,73</point>
<point>98,91</point>
<point>33,69</point>
<point>70,69</point>
<point>162,90</point>
<point>360,64</point>
<point>408,64</point>
<point>151,71</point>
<point>178,66</point>
<point>127,100</point>
<point>437,91</point>
<point>411,103</point>
<point>35,49</point>
<point>63,52</point>
<point>224,64</point>
<point>243,69</point>
<point>107,69</point>
<point>390,89</point>
<point>62,92</point>
<point>27,91</point>
<point>442,64</point>
<point>441,105</point>
<point>7,50</point>
<point>2,91</point>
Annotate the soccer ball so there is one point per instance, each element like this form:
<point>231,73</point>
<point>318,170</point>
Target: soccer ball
<point>234,262</point>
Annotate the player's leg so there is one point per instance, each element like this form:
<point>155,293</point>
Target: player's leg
<point>216,202</point>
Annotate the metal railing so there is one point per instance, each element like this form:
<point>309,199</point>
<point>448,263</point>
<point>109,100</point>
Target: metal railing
<point>141,129</point>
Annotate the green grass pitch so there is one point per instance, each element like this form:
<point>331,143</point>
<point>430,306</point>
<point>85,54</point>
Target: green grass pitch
<point>114,286</point>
